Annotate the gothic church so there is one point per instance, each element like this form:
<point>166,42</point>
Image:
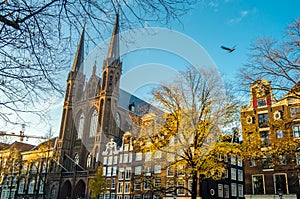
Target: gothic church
<point>93,113</point>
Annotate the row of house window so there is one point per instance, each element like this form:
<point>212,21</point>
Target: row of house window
<point>265,135</point>
<point>263,122</point>
<point>294,111</point>
<point>237,190</point>
<point>148,184</point>
<point>125,173</point>
<point>267,163</point>
<point>279,180</point>
<point>127,158</point>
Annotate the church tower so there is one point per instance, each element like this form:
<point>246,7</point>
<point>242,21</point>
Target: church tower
<point>109,92</point>
<point>75,84</point>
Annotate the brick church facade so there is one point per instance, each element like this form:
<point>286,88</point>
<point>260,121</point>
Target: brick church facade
<point>91,116</point>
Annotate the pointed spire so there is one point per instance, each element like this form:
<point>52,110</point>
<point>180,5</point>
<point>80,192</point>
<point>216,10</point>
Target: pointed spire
<point>79,56</point>
<point>94,69</point>
<point>113,51</point>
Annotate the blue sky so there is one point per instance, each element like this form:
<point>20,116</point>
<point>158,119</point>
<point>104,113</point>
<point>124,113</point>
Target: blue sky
<point>212,24</point>
<point>237,22</point>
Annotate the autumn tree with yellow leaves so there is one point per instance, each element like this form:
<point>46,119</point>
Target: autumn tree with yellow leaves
<point>196,108</point>
<point>98,184</point>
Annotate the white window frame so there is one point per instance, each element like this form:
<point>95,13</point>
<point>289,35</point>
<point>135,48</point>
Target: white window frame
<point>233,159</point>
<point>114,171</point>
<point>125,158</point>
<point>105,160</point>
<point>233,173</point>
<point>286,182</point>
<point>148,157</point>
<point>109,171</point>
<point>157,169</point>
<point>263,179</point>
<point>147,184</point>
<point>170,168</point>
<point>297,156</point>
<point>121,173</point>
<point>220,191</point>
<point>138,157</point>
<point>113,183</point>
<point>190,186</point>
<point>120,188</point>
<point>279,134</point>
<point>180,182</point>
<point>226,191</point>
<point>126,147</point>
<point>225,158</point>
<point>252,162</point>
<point>127,187</point>
<point>137,184</point>
<point>110,160</point>
<point>115,159</point>
<point>138,170</point>
<point>239,161</point>
<point>298,132</point>
<point>157,154</point>
<point>226,173</point>
<point>240,190</point>
<point>240,175</point>
<point>128,173</point>
<point>233,189</point>
<point>121,158</point>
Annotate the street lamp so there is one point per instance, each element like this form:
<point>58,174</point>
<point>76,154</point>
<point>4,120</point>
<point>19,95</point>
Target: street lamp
<point>280,193</point>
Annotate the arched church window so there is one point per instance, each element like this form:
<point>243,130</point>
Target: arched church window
<point>53,193</point>
<point>31,186</point>
<point>80,126</point>
<point>89,160</point>
<point>21,186</point>
<point>76,160</point>
<point>93,124</point>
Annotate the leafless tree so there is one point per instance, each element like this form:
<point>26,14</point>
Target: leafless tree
<point>275,60</point>
<point>36,37</point>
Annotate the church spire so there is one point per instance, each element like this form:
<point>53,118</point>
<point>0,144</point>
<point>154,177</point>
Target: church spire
<point>79,56</point>
<point>113,51</point>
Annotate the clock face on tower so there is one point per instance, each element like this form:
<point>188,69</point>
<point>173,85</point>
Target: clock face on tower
<point>118,120</point>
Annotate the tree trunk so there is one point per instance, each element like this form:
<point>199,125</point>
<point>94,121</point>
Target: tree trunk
<point>194,184</point>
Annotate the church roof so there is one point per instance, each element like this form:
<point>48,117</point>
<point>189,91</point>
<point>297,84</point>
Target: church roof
<point>127,99</point>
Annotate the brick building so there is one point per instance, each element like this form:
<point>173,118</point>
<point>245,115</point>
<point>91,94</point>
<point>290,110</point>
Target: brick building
<point>272,127</point>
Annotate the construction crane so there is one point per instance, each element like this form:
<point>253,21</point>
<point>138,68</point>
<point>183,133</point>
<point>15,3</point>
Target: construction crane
<point>21,135</point>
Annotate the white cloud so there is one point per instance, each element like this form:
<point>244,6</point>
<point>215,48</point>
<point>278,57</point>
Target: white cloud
<point>238,19</point>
